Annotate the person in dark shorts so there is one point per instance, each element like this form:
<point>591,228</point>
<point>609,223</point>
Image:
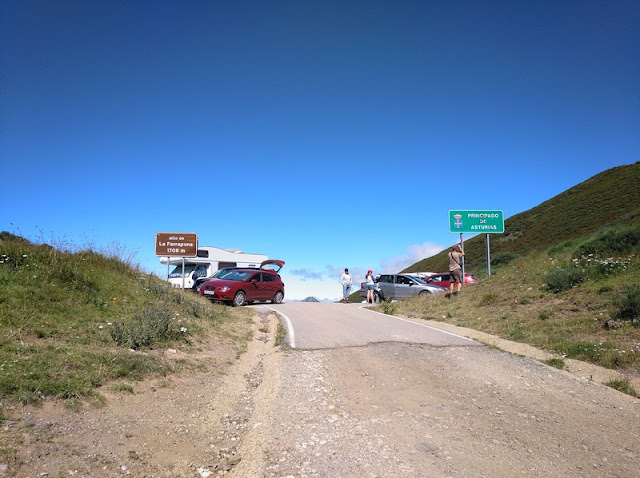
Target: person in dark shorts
<point>371,287</point>
<point>455,269</point>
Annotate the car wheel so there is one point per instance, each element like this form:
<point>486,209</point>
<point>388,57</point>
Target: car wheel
<point>239,299</point>
<point>277,299</point>
<point>377,298</point>
<point>424,293</point>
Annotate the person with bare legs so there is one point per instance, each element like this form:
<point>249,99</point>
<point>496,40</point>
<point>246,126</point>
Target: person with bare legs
<point>455,270</point>
<point>371,285</point>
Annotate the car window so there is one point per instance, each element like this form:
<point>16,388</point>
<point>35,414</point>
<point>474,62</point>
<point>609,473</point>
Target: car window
<point>418,280</point>
<point>403,280</point>
<point>386,278</point>
<point>435,279</point>
<point>237,275</point>
<point>221,273</point>
<point>268,277</point>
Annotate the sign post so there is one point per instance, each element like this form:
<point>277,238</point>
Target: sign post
<point>176,244</point>
<point>474,222</point>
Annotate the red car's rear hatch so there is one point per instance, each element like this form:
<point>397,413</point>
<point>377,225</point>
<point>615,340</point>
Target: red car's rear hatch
<point>272,265</point>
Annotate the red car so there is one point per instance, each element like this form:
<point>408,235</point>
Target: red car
<point>444,279</point>
<point>244,286</point>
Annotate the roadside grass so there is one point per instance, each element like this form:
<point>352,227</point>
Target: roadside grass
<point>556,363</point>
<point>73,320</point>
<point>595,320</point>
<point>281,334</point>
<point>623,386</point>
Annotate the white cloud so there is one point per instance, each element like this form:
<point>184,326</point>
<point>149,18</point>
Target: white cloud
<point>415,253</point>
<point>325,283</point>
<point>311,285</point>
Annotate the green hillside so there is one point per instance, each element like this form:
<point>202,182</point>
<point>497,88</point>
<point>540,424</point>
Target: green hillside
<point>71,317</point>
<point>565,278</point>
<point>611,197</point>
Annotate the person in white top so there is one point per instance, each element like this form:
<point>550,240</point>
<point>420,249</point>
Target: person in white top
<point>346,282</point>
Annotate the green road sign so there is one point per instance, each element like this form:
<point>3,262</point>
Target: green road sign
<point>482,222</point>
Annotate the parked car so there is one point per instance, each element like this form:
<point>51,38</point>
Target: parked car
<point>197,283</point>
<point>444,279</point>
<point>376,292</point>
<point>241,286</point>
<point>400,286</point>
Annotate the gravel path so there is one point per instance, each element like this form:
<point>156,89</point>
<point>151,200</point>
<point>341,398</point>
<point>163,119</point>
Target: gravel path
<point>383,410</point>
<point>394,409</point>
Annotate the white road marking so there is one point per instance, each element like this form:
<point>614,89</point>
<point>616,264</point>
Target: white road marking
<point>420,325</point>
<point>290,332</point>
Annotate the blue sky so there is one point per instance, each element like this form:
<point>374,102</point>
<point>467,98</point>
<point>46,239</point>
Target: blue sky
<point>329,134</point>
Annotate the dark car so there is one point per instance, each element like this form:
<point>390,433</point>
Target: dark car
<point>241,286</point>
<point>444,279</point>
<point>197,283</point>
<point>399,286</point>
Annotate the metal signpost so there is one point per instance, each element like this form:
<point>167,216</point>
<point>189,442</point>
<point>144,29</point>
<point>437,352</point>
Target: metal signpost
<point>474,222</point>
<point>176,244</point>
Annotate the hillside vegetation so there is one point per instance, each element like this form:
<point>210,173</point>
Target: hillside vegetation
<point>74,320</point>
<point>565,277</point>
<point>609,198</point>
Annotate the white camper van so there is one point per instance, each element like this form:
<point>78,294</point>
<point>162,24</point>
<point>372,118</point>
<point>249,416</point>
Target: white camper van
<point>207,262</point>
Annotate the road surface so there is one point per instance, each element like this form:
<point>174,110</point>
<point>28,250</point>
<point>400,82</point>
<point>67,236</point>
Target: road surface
<point>367,395</point>
<point>313,325</point>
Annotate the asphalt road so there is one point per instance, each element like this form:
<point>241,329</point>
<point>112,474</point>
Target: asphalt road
<point>363,394</point>
<point>314,325</point>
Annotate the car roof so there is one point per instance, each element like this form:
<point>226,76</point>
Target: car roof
<point>449,273</point>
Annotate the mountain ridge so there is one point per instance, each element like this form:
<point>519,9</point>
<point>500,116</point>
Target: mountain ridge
<point>612,196</point>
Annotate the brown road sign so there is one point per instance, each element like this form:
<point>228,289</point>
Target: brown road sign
<point>181,244</point>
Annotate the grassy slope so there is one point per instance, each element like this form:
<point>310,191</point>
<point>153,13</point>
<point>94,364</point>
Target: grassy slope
<point>69,319</point>
<point>58,308</point>
<point>515,303</point>
<point>609,197</point>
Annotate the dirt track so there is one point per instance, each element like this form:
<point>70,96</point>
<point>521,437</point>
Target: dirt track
<point>384,410</point>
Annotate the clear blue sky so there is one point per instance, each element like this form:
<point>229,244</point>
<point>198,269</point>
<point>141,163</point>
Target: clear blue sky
<point>329,134</point>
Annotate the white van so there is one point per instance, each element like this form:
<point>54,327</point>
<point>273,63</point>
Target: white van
<point>206,263</point>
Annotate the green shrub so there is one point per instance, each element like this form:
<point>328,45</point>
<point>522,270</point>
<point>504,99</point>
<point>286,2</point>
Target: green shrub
<point>148,327</point>
<point>123,388</point>
<point>600,269</point>
<point>388,307</point>
<point>564,278</point>
<point>502,258</point>
<point>623,386</point>
<point>544,314</point>
<point>281,334</point>
<point>517,334</point>
<point>612,242</point>
<point>562,248</point>
<point>602,354</point>
<point>629,306</point>
<point>578,350</point>
<point>489,299</point>
<point>555,362</point>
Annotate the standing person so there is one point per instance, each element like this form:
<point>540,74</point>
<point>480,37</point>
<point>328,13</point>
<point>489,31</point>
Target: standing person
<point>371,285</point>
<point>455,269</point>
<point>346,280</point>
